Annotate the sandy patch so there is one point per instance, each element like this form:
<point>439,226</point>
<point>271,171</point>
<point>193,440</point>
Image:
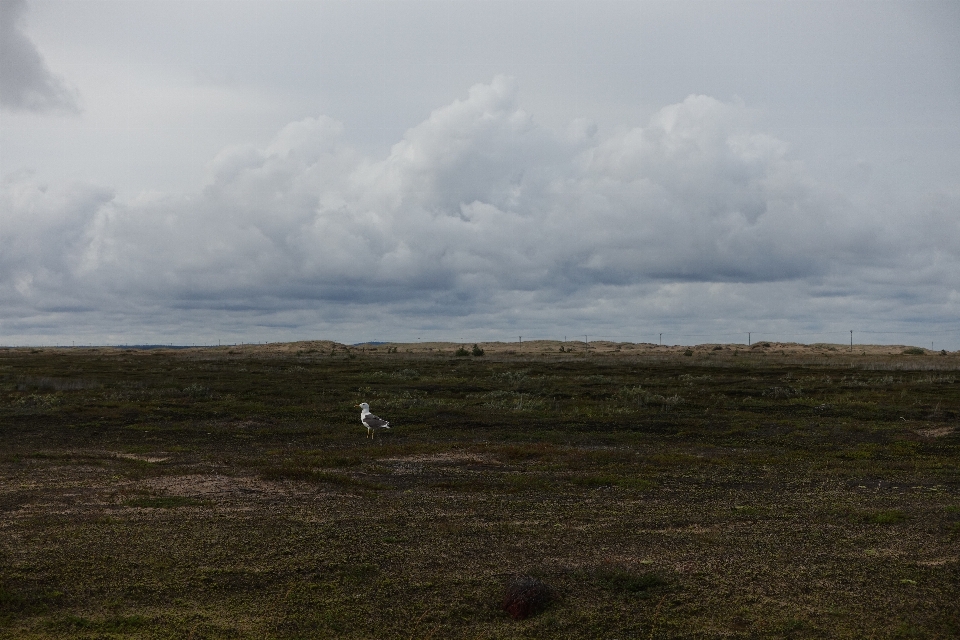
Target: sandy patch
<point>133,456</point>
<point>935,433</point>
<point>442,458</point>
<point>939,562</point>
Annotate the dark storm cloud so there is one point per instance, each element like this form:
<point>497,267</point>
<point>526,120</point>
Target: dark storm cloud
<point>25,81</point>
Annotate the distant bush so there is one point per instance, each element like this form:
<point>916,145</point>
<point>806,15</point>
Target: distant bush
<point>913,351</point>
<point>688,352</point>
<point>461,353</point>
<point>477,351</point>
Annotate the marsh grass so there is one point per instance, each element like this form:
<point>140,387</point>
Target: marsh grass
<point>231,493</point>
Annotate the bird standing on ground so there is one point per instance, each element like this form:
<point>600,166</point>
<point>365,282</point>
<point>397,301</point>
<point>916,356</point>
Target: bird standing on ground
<point>370,421</point>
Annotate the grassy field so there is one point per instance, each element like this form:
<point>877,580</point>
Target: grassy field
<point>658,493</point>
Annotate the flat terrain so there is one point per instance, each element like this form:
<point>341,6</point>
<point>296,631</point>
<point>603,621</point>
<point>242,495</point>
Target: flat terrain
<point>780,491</point>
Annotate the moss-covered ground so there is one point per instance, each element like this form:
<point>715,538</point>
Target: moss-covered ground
<point>232,493</point>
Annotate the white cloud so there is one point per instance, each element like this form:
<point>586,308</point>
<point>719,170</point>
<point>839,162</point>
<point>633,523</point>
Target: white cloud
<point>25,81</point>
<point>478,217</point>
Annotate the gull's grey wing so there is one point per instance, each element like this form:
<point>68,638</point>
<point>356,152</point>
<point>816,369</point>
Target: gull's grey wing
<point>375,422</point>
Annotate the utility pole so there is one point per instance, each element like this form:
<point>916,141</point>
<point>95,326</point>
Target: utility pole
<point>748,339</point>
<point>661,339</point>
<point>851,339</point>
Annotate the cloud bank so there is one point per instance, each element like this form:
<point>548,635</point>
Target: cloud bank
<point>25,82</point>
<point>478,219</point>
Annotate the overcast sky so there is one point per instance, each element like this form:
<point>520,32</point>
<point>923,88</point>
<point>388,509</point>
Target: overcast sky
<point>197,171</point>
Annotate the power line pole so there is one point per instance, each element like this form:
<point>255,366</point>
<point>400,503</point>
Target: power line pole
<point>748,339</point>
<point>851,339</point>
<point>661,339</point>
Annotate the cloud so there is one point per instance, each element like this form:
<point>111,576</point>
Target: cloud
<point>478,216</point>
<point>25,81</point>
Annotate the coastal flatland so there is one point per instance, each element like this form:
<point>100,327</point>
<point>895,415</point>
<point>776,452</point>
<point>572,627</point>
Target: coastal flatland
<point>716,491</point>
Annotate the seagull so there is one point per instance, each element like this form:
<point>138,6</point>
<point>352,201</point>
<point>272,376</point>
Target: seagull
<point>370,421</point>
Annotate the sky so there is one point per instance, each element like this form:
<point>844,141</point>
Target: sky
<point>459,170</point>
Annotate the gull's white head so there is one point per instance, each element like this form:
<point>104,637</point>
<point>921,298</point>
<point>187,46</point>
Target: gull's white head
<point>364,406</point>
